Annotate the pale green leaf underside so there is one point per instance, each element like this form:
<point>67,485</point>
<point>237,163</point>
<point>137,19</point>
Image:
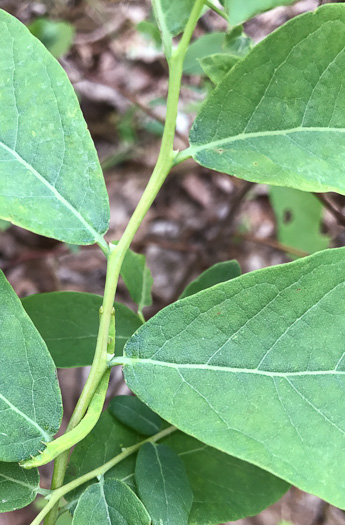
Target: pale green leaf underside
<point>18,487</point>
<point>30,399</point>
<point>163,485</point>
<point>240,11</point>
<point>255,367</point>
<point>50,178</point>
<point>172,15</point>
<point>278,117</point>
<point>298,215</point>
<point>110,502</point>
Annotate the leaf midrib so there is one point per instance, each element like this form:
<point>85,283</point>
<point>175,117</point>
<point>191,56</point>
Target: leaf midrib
<point>258,134</point>
<point>33,488</point>
<point>127,361</point>
<point>44,434</point>
<point>58,195</point>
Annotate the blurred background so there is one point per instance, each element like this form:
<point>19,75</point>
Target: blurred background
<point>112,53</point>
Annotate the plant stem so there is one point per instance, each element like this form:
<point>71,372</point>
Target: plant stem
<point>60,492</point>
<point>117,253</point>
<point>219,12</point>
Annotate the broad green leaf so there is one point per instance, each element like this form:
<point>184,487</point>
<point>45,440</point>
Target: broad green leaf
<point>56,36</point>
<point>18,487</point>
<point>225,488</point>
<point>110,502</point>
<point>68,323</point>
<point>163,485</point>
<point>239,11</point>
<point>237,43</point>
<point>255,367</point>
<point>137,278</point>
<point>206,45</point>
<point>218,273</point>
<point>30,398</point>
<point>217,66</point>
<point>50,179</point>
<point>278,117</point>
<point>172,15</point>
<point>104,442</point>
<point>135,414</point>
<point>299,216</point>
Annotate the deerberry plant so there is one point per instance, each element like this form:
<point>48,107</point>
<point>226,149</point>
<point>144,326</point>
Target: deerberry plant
<point>239,385</point>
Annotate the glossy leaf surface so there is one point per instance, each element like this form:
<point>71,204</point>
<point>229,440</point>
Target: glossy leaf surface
<point>18,487</point>
<point>218,273</point>
<point>69,321</point>
<point>135,414</point>
<point>30,399</point>
<point>298,215</point>
<point>240,11</point>
<point>255,367</point>
<point>110,502</point>
<point>50,179</point>
<point>163,485</point>
<point>278,117</point>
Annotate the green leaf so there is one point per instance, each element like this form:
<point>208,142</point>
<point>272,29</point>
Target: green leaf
<point>217,66</point>
<point>255,367</point>
<point>240,11</point>
<point>104,442</point>
<point>56,36</point>
<point>4,225</point>
<point>50,179</point>
<point>135,414</point>
<point>110,502</point>
<point>277,117</point>
<point>172,15</point>
<point>163,485</point>
<point>299,217</point>
<point>30,398</point>
<point>69,321</point>
<point>18,487</point>
<point>218,273</point>
<point>137,278</point>
<point>225,488</point>
<point>208,44</point>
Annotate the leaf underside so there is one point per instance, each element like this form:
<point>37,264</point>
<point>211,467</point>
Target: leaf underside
<point>30,399</point>
<point>50,178</point>
<point>255,367</point>
<point>278,117</point>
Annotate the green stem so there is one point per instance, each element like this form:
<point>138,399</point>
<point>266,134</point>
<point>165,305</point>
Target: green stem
<point>219,12</point>
<point>100,471</point>
<point>117,253</point>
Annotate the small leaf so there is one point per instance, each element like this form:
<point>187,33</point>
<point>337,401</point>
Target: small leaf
<point>225,488</point>
<point>217,66</point>
<point>255,367</point>
<point>110,502</point>
<point>135,414</point>
<point>69,321</point>
<point>172,15</point>
<point>137,278</point>
<point>18,487</point>
<point>218,273</point>
<point>50,178</point>
<point>163,485</point>
<point>245,489</point>
<point>56,36</point>
<point>208,44</point>
<point>277,117</point>
<point>299,216</point>
<point>104,442</point>
<point>240,11</point>
<point>30,398</point>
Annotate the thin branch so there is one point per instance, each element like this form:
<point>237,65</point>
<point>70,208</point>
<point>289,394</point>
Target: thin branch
<point>340,218</point>
<point>271,244</point>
